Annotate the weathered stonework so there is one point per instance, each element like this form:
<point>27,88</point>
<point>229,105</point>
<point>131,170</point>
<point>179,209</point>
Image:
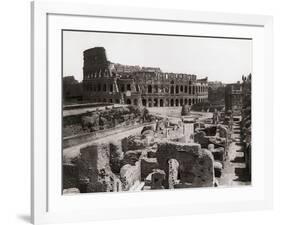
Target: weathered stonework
<point>95,174</point>
<point>104,81</point>
<point>196,164</point>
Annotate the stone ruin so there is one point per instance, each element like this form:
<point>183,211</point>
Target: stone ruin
<point>149,161</point>
<point>141,163</point>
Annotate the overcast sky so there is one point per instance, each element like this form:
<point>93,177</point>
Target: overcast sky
<point>219,59</point>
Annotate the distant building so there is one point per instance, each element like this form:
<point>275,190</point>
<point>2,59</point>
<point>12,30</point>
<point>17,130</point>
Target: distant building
<point>104,81</point>
<point>233,97</point>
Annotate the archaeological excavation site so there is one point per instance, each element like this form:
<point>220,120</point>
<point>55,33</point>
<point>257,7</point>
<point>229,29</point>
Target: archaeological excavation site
<point>137,128</point>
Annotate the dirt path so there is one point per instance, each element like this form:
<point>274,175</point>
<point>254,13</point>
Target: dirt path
<point>71,152</point>
<point>234,172</point>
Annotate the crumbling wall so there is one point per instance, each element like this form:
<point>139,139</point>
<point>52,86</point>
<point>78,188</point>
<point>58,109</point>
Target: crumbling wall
<point>196,165</point>
<point>95,174</point>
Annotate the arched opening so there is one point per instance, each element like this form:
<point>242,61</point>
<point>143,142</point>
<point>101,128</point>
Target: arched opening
<point>177,89</point>
<point>181,88</point>
<point>161,102</point>
<point>111,88</point>
<point>128,87</point>
<point>128,101</point>
<point>149,102</point>
<point>189,90</point>
<point>99,87</point>
<point>172,90</point>
<point>185,89</point>
<point>181,102</point>
<point>149,88</point>
<point>172,102</point>
<point>177,102</point>
<point>144,102</point>
<point>189,101</point>
<point>193,101</point>
<point>104,87</point>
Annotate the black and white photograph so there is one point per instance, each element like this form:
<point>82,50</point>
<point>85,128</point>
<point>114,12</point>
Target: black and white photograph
<point>145,112</point>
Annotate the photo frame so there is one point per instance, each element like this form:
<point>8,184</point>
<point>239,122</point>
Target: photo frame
<point>48,205</point>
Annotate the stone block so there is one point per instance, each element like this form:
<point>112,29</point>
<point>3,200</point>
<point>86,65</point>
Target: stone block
<point>196,165</point>
<point>129,175</point>
<point>94,170</point>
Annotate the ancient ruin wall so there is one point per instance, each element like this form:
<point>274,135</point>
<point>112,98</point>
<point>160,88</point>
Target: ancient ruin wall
<point>196,165</point>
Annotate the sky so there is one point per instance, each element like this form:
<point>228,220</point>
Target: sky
<point>219,59</point>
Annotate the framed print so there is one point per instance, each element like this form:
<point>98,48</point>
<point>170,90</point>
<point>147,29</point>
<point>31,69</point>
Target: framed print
<point>149,112</point>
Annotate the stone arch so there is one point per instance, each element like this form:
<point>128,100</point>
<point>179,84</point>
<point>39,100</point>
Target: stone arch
<point>149,102</point>
<point>144,102</point>
<point>177,102</point>
<point>149,88</point>
<point>172,89</point>
<point>195,165</point>
<point>172,102</point>
<point>181,88</point>
<point>161,103</point>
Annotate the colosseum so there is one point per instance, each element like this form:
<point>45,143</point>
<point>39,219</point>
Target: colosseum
<point>104,81</point>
